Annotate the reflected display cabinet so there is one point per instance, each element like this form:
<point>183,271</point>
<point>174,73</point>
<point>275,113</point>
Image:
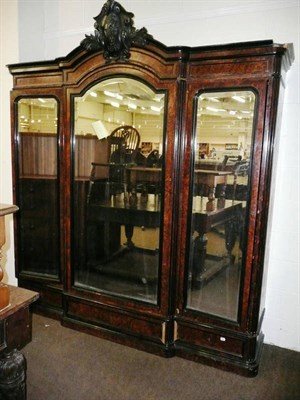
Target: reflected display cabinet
<point>142,175</point>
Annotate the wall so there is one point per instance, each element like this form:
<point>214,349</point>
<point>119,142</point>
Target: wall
<point>50,29</point>
<point>8,54</point>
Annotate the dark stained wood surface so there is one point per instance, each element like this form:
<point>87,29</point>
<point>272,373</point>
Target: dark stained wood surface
<point>181,72</point>
<point>18,298</point>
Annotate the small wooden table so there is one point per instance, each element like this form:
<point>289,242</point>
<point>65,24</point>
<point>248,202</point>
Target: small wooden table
<point>15,328</point>
<point>5,209</point>
<point>15,333</point>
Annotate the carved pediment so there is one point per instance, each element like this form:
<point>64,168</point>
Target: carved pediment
<point>114,33</point>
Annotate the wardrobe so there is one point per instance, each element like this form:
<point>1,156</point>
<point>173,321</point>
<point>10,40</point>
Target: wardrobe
<point>142,175</point>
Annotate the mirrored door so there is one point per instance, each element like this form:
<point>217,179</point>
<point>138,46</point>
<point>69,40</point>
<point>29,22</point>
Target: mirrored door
<point>220,171</point>
<point>118,137</point>
<point>37,187</point>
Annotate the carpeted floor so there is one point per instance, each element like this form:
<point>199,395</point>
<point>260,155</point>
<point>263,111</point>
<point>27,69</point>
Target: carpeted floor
<point>63,364</point>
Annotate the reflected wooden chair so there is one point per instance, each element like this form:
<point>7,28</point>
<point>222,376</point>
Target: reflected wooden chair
<point>123,144</point>
<point>109,176</point>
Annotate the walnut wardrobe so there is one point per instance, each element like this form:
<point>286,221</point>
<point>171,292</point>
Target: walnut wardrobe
<point>142,176</point>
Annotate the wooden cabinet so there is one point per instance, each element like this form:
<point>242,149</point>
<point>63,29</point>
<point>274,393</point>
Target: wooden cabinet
<point>163,252</point>
<point>15,327</point>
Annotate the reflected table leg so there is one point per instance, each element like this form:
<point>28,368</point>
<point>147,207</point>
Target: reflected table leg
<point>199,255</point>
<point>129,233</point>
<point>230,238</point>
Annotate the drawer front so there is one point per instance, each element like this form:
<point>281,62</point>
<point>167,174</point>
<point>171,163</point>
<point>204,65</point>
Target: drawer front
<point>196,336</point>
<point>116,320</point>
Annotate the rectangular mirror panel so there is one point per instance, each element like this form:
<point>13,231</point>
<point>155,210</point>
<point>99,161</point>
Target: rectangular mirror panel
<point>223,136</point>
<point>38,197</point>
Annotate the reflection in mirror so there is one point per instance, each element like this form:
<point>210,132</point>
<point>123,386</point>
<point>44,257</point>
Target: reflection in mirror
<point>118,136</point>
<point>218,201</point>
<point>37,146</point>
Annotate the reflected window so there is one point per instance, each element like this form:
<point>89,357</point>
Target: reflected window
<point>223,136</point>
<point>118,144</point>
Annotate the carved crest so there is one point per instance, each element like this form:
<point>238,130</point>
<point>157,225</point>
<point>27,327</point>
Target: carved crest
<point>114,33</point>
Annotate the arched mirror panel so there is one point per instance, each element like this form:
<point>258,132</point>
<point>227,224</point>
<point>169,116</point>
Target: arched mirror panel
<point>222,152</point>
<point>118,137</point>
<point>37,155</point>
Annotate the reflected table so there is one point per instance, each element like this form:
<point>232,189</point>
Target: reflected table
<point>202,177</point>
<point>211,178</point>
<point>153,175</point>
<point>205,177</point>
<point>148,215</point>
<point>116,210</point>
<point>143,174</point>
<point>203,222</point>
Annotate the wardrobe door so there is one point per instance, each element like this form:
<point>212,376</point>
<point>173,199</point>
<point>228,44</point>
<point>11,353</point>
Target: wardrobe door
<point>36,153</point>
<point>223,161</point>
<point>123,140</point>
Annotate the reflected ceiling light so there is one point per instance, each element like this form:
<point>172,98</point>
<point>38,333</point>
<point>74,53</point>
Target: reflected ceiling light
<point>132,106</point>
<point>115,104</point>
<point>42,100</point>
<point>215,109</point>
<point>158,99</point>
<point>115,95</point>
<point>232,112</point>
<point>156,109</point>
<point>239,99</point>
<point>93,94</point>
